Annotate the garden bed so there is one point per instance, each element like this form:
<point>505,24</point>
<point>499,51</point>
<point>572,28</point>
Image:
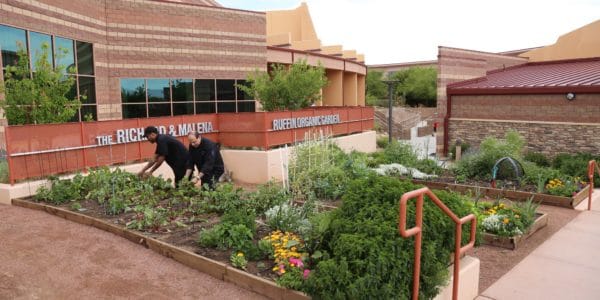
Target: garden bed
<point>513,242</point>
<point>182,253</point>
<point>568,202</point>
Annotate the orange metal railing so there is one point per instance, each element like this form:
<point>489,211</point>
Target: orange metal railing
<point>592,165</point>
<point>418,228</point>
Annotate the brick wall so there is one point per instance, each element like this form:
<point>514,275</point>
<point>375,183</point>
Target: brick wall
<point>549,138</point>
<point>456,65</point>
<point>148,39</point>
<point>548,108</point>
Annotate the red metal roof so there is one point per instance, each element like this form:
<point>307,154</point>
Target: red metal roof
<point>581,75</point>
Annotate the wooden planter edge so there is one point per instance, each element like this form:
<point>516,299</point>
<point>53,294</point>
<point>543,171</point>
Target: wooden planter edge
<point>203,264</point>
<point>568,202</point>
<point>513,242</point>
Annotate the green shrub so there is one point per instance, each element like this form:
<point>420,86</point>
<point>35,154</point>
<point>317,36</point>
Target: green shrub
<point>538,158</point>
<point>463,149</point>
<point>363,255</point>
<point>480,164</point>
<point>400,153</point>
<point>383,142</point>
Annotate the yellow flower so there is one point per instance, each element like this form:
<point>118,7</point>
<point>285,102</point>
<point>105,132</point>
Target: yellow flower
<point>505,221</point>
<point>240,254</point>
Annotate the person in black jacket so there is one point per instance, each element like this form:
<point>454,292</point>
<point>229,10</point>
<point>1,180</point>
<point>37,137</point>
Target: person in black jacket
<point>168,149</point>
<point>204,155</point>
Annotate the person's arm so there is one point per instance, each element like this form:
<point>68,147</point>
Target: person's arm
<point>152,165</point>
<point>147,166</point>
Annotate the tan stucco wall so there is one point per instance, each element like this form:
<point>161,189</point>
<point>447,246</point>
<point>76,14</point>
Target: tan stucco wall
<point>361,89</point>
<point>333,93</point>
<point>261,166</point>
<point>297,22</point>
<point>580,43</point>
<point>350,93</point>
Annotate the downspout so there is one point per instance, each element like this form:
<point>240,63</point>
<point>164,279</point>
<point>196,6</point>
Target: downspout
<point>447,123</point>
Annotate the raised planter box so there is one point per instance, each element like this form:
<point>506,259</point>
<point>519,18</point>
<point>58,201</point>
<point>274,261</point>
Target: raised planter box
<point>513,242</point>
<point>569,202</point>
<point>203,264</point>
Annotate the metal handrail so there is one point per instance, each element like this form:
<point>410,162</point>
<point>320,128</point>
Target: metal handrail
<point>458,250</point>
<point>592,165</point>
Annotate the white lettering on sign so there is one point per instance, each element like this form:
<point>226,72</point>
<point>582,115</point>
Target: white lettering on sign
<point>130,135</point>
<point>301,122</point>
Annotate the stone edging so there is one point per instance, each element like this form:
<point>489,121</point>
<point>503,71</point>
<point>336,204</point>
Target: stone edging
<point>203,264</point>
<point>568,202</point>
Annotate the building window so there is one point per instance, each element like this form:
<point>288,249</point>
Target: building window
<point>61,52</point>
<point>36,43</point>
<point>85,58</point>
<point>172,97</point>
<point>10,40</point>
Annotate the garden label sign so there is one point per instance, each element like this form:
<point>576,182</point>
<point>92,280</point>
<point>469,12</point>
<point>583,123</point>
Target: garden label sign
<point>301,122</point>
<point>136,134</point>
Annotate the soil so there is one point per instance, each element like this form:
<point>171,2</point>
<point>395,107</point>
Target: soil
<point>45,257</point>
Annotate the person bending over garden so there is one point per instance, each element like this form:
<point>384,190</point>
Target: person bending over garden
<point>205,155</point>
<point>168,149</point>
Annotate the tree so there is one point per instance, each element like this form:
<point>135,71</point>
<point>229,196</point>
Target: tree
<point>376,88</point>
<point>418,86</point>
<point>283,88</point>
<point>40,98</point>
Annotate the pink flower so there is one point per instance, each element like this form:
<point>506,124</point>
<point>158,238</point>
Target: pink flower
<point>306,273</point>
<point>281,269</point>
<point>296,262</point>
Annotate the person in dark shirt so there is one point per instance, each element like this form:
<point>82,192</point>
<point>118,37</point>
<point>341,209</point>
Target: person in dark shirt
<point>205,155</point>
<point>168,149</point>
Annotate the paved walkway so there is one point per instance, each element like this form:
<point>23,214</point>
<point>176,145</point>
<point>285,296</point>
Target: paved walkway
<point>46,257</point>
<point>566,266</point>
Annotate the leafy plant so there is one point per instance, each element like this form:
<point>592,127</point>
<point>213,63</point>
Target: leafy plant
<point>363,256</point>
<point>266,196</point>
<point>287,218</point>
<point>238,260</point>
<point>287,87</point>
<point>41,98</point>
<point>537,158</point>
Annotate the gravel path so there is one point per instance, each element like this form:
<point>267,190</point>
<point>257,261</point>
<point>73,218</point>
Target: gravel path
<point>46,257</point>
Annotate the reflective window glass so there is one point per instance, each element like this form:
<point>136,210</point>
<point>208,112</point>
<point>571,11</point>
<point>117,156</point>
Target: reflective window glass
<point>183,90</point>
<point>87,89</point>
<point>246,106</point>
<point>37,43</point>
<point>225,89</point>
<point>131,111</point>
<point>85,58</point>
<point>241,95</point>
<point>206,108</point>
<point>88,113</point>
<point>183,109</point>
<point>10,39</point>
<point>72,93</point>
<point>64,54</point>
<point>159,110</point>
<point>223,107</point>
<point>158,90</point>
<point>205,89</point>
<point>133,90</point>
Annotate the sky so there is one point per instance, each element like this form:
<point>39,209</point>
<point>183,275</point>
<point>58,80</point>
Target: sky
<point>395,31</point>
